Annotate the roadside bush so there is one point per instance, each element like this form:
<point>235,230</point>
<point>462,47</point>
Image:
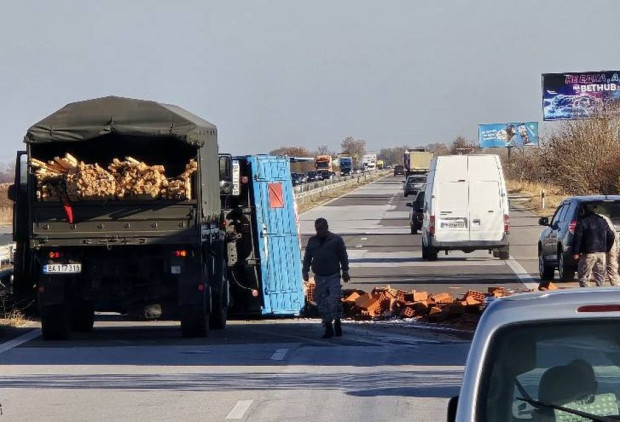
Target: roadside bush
<point>580,156</point>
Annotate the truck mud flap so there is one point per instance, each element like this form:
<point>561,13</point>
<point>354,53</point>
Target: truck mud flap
<point>192,288</point>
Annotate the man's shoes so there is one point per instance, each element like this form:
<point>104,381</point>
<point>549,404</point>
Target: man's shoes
<point>329,330</point>
<point>337,328</point>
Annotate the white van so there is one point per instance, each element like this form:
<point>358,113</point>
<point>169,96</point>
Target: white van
<point>465,206</point>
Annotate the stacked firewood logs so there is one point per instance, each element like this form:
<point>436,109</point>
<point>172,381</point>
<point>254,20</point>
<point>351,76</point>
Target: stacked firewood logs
<point>68,179</point>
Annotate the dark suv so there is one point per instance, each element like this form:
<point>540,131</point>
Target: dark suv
<point>399,170</point>
<point>554,244</point>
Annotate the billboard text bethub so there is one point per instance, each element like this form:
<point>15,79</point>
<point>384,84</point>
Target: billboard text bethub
<point>578,95</point>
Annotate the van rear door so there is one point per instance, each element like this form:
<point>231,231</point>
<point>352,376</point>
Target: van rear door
<point>451,218</point>
<point>486,211</point>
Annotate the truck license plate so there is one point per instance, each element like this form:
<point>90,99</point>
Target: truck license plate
<point>62,268</point>
<point>452,224</point>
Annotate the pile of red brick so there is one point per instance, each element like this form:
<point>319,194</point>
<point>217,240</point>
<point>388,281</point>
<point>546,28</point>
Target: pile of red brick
<point>386,302</point>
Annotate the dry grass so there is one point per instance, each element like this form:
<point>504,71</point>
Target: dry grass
<point>553,195</point>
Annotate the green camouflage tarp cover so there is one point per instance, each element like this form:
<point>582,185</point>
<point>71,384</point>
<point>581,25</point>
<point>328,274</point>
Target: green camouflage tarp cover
<point>84,120</point>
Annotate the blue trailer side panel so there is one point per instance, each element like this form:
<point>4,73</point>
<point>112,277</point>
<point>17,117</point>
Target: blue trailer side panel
<point>279,250</point>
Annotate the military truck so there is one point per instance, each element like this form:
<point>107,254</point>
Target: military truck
<point>101,243</point>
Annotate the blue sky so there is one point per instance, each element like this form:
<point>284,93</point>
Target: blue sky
<point>273,73</point>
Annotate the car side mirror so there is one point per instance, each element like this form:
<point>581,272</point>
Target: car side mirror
<point>409,204</point>
<point>543,221</point>
<point>452,406</point>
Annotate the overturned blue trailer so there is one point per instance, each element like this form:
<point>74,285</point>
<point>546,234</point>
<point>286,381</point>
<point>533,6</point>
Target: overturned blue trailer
<point>262,231</point>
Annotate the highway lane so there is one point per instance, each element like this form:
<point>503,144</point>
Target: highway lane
<point>373,221</point>
<point>274,370</point>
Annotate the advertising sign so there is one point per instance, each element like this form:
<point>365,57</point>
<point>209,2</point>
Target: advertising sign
<point>501,135</point>
<point>578,95</point>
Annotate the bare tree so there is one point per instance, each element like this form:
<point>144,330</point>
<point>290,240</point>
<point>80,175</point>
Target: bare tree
<point>462,146</point>
<point>353,148</point>
<point>301,167</point>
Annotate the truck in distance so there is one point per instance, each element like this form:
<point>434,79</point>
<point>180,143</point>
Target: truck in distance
<point>323,163</point>
<point>369,161</point>
<point>346,166</point>
<point>417,160</point>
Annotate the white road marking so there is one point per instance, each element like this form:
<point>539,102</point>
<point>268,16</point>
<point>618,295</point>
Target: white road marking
<point>364,238</point>
<point>19,340</point>
<point>239,410</point>
<point>279,354</point>
<point>359,246</point>
<point>523,275</point>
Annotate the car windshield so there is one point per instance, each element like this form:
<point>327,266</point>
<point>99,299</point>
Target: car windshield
<point>416,179</point>
<point>536,368</point>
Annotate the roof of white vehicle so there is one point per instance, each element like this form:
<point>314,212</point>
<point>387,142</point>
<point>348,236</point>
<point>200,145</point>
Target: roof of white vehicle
<point>550,305</point>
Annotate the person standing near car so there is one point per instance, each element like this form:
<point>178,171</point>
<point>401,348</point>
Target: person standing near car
<point>326,253</point>
<point>593,239</point>
<point>611,268</point>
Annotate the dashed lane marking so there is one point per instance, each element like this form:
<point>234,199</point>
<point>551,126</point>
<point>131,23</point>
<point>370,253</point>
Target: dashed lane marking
<point>239,410</point>
<point>523,275</point>
<point>19,340</point>
<point>279,354</point>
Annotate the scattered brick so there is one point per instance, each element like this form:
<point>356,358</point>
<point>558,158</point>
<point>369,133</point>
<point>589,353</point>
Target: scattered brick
<point>544,286</point>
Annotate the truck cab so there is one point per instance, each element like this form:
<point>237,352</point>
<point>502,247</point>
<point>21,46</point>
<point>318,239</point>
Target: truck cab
<point>545,356</point>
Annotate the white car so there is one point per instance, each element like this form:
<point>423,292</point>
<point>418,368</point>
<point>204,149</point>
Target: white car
<point>546,356</point>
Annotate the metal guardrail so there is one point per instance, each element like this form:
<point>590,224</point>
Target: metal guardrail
<point>316,188</point>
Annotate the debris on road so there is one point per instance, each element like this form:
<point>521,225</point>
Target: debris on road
<point>441,307</point>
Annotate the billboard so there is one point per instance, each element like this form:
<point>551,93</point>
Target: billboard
<point>501,135</point>
<point>578,95</point>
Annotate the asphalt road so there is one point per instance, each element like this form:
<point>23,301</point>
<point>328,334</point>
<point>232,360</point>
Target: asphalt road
<point>274,370</point>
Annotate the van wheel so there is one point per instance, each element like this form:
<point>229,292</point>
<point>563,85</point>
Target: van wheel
<point>565,274</point>
<point>545,271</point>
<point>504,254</point>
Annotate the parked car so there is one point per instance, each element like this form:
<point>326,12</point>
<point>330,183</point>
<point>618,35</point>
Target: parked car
<point>414,184</point>
<point>544,356</point>
<point>416,214</point>
<point>466,206</point>
<point>399,170</point>
<point>555,241</point>
<point>314,176</point>
<point>327,175</point>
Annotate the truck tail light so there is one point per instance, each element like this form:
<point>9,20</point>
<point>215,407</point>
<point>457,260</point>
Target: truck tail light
<point>506,223</point>
<point>201,287</point>
<point>180,254</point>
<point>571,226</point>
<point>54,254</point>
<point>431,225</point>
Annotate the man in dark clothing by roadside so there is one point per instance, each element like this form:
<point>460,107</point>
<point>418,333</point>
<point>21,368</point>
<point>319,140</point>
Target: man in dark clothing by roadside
<point>593,239</point>
<point>327,254</point>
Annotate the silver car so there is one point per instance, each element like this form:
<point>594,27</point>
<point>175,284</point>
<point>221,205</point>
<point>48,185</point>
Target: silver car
<point>546,356</point>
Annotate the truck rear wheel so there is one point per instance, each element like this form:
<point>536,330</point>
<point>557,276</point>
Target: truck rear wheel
<point>504,253</point>
<point>82,317</point>
<point>219,311</point>
<point>54,322</point>
<point>194,321</point>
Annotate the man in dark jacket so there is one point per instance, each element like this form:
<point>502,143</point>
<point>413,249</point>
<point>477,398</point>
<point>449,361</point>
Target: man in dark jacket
<point>593,239</point>
<point>327,254</point>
